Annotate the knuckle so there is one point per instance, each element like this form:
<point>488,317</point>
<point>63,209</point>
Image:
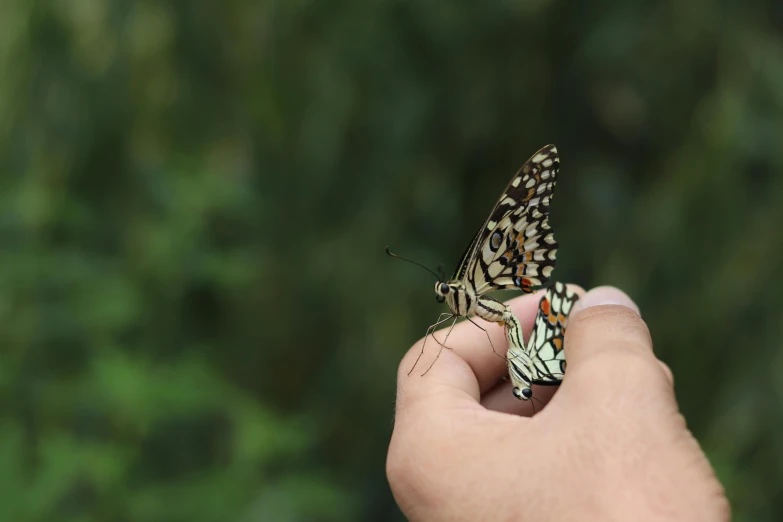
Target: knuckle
<point>667,372</point>
<point>722,506</point>
<point>629,370</point>
<point>396,466</point>
<point>629,362</point>
<point>613,323</point>
<point>401,470</point>
<point>639,369</point>
<point>601,313</point>
<point>409,473</point>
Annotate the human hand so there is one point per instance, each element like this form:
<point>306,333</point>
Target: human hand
<point>611,445</point>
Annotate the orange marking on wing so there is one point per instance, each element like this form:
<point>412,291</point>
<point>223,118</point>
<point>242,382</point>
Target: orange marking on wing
<point>561,319</point>
<point>552,319</point>
<point>530,192</point>
<point>558,342</point>
<point>545,307</point>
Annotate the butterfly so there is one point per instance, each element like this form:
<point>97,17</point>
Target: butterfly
<point>514,248</point>
<point>542,361</point>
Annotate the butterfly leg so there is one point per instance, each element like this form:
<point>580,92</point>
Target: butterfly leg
<point>430,331</point>
<point>488,337</point>
<point>442,345</point>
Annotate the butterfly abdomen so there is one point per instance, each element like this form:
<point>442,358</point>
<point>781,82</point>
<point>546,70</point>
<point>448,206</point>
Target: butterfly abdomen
<point>491,310</point>
<point>464,302</point>
<point>520,366</point>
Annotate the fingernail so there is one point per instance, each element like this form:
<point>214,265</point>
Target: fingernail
<point>606,295</point>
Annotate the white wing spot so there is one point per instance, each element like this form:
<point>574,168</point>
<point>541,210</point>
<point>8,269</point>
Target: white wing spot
<point>538,158</point>
<point>516,181</point>
<point>494,269</point>
<point>547,163</point>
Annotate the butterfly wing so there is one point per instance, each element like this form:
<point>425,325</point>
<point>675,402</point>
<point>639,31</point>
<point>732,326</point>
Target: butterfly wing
<point>545,345</point>
<point>515,247</point>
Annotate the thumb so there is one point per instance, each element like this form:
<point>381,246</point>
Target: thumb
<point>608,345</point>
<point>618,399</point>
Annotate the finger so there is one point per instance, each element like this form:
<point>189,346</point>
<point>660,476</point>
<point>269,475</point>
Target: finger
<point>470,364</point>
<point>605,319</point>
<point>609,348</point>
<point>667,371</point>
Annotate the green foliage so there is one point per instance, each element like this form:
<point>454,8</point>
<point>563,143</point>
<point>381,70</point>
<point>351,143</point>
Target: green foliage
<point>197,320</point>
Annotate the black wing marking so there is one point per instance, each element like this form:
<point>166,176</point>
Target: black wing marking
<point>545,345</point>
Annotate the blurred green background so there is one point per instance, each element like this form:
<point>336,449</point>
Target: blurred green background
<point>197,318</point>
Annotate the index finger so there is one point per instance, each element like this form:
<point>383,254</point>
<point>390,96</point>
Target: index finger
<point>473,364</point>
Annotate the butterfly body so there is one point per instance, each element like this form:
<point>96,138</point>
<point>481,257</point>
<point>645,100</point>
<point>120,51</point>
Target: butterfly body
<point>463,301</point>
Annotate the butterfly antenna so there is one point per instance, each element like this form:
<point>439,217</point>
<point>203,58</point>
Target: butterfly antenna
<point>440,278</point>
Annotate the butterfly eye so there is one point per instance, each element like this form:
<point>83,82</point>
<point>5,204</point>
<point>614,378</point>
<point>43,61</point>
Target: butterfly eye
<point>444,288</point>
<point>523,393</point>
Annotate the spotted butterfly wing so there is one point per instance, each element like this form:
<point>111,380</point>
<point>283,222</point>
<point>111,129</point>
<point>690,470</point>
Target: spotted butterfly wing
<point>515,247</point>
<point>545,345</point>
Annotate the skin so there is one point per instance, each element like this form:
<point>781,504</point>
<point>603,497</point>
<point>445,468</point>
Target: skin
<point>610,445</point>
